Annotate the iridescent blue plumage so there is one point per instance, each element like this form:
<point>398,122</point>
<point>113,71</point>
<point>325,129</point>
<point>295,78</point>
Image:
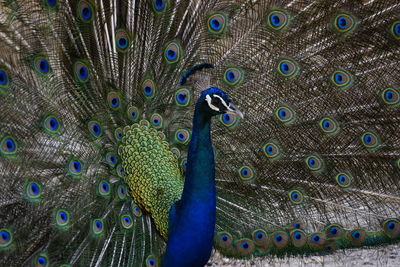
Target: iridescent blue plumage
<point>95,92</point>
<point>192,218</point>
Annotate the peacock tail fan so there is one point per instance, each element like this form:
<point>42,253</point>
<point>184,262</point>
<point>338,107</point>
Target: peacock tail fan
<point>97,99</point>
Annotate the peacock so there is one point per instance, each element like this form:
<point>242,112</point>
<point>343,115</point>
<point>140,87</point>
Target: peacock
<point>152,133</point>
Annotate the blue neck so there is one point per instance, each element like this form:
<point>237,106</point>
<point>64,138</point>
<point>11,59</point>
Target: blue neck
<point>192,219</point>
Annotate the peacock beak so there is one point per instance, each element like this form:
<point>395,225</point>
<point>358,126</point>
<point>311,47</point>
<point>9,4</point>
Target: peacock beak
<point>232,109</point>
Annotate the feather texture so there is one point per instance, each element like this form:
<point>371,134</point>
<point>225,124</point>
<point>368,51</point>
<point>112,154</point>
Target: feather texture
<point>95,92</point>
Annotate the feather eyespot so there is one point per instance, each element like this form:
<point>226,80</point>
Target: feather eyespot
<point>111,159</point>
<point>297,226</point>
<point>122,40</point>
<point>81,72</point>
<point>341,79</point>
<point>126,221</point>
<point>149,88</point>
<point>298,237</point>
<point>224,239</point>
<point>356,236</point>
<point>97,227</point>
<point>159,6</point>
<point>151,261</point>
<point>271,150</point>
<point>133,113</point>
<point>75,168</point>
<point>244,247</point>
<point>182,97</point>
<point>182,136</point>
<point>172,53</point>
<point>390,96</point>
<point>120,171</point>
<point>104,189</point>
<point>391,227</point>
<point>287,68</point>
<point>4,79</point>
<point>370,140</point>
<point>260,237</point>
<point>277,20</point>
<point>6,238</point>
<point>33,191</point>
<point>85,11</point>
<point>334,230</point>
<point>114,100</point>
<point>246,173</point>
<point>8,146</point>
<point>344,23</point>
<point>136,210</point>
<point>343,179</point>
<point>233,76</point>
<point>41,65</point>
<point>62,218</point>
<point>314,163</point>
<point>229,120</point>
<point>217,23</point>
<point>118,134</point>
<point>95,129</point>
<point>183,164</point>
<point>395,29</point>
<point>285,114</point>
<point>316,240</point>
<point>329,125</point>
<point>41,261</point>
<point>330,246</point>
<point>122,192</point>
<point>51,3</point>
<point>51,125</point>
<point>280,239</point>
<point>156,121</point>
<point>296,197</point>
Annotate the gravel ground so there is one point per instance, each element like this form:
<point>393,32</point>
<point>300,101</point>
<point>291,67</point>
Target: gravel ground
<point>376,256</point>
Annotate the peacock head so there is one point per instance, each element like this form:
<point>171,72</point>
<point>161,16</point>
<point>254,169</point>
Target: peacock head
<point>216,102</point>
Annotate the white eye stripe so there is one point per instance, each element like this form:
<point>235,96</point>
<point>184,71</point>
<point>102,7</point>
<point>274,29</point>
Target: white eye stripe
<point>222,101</point>
<point>208,99</point>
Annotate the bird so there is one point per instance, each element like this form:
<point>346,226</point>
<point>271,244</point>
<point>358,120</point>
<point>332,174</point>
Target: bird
<point>152,133</point>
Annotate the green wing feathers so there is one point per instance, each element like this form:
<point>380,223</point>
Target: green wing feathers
<point>95,126</point>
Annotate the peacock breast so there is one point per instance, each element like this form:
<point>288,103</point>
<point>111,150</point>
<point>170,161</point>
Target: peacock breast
<point>151,172</point>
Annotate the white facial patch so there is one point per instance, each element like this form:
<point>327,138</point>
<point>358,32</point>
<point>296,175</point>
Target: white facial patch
<point>208,99</point>
<point>222,101</point>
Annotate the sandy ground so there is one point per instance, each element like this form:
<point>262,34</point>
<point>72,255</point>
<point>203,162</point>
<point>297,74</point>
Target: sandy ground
<point>377,256</point>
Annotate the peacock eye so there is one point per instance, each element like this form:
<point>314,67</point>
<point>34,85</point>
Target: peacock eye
<point>344,23</point>
<point>97,227</point>
<point>41,261</point>
<point>395,29</point>
<point>6,238</point>
<point>62,218</point>
<point>51,2</point>
<point>85,11</point>
<point>151,261</point>
<point>216,101</point>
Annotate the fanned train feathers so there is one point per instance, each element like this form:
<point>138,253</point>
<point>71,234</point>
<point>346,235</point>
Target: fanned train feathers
<point>314,165</point>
